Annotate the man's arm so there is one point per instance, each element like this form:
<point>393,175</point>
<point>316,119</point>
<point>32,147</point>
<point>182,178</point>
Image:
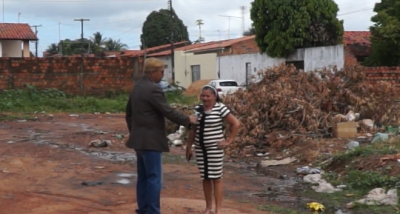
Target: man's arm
<point>128,114</point>
<point>160,103</point>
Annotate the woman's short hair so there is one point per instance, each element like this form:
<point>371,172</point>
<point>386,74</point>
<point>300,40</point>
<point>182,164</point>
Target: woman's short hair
<point>152,64</point>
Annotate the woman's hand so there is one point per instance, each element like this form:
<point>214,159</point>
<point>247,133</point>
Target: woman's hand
<point>223,144</point>
<point>189,153</point>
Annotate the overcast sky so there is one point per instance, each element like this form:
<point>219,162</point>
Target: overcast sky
<point>123,19</point>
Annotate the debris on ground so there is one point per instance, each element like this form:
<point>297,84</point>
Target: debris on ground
<point>305,170</point>
<point>99,143</point>
<point>195,87</point>
<point>176,138</point>
<point>288,106</point>
<point>377,196</point>
<point>91,183</point>
<point>314,206</point>
<point>323,185</point>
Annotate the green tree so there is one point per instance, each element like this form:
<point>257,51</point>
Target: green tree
<point>52,49</point>
<point>385,35</point>
<point>98,42</point>
<point>249,32</point>
<point>156,29</point>
<point>282,26</point>
<point>114,45</point>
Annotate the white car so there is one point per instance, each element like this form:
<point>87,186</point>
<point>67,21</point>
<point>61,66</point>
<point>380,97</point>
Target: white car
<point>225,87</point>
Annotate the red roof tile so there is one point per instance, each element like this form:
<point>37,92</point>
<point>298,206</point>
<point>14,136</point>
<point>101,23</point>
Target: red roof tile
<point>16,31</point>
<point>184,48</point>
<point>151,50</point>
<point>222,44</point>
<point>356,37</point>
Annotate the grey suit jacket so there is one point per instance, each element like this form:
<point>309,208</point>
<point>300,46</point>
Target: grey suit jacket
<point>145,112</point>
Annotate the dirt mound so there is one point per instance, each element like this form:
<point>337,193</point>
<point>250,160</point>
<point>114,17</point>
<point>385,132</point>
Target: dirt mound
<point>194,88</point>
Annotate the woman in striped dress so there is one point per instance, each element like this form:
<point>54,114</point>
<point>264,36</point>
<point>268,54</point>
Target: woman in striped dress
<point>208,137</point>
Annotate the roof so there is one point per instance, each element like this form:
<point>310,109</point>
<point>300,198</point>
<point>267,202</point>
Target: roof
<point>18,31</point>
<point>222,44</point>
<point>183,48</point>
<point>356,37</point>
<point>152,49</point>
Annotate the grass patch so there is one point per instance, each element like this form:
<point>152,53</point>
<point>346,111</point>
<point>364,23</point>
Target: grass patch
<point>32,100</point>
<point>277,209</point>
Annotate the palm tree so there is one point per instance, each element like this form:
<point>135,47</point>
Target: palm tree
<point>114,45</point>
<point>98,42</point>
<point>52,49</point>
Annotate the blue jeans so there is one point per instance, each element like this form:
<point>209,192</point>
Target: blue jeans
<point>149,181</point>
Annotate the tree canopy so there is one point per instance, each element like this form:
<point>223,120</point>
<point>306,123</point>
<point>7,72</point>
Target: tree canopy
<point>156,29</point>
<point>96,44</point>
<point>385,35</point>
<point>249,32</point>
<point>282,26</point>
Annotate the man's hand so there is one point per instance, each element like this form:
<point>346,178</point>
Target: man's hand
<point>193,119</point>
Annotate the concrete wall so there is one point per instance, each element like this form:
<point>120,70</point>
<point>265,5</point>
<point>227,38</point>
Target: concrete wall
<point>234,66</point>
<point>25,48</point>
<point>321,57</point>
<point>168,67</point>
<point>184,61</point>
<point>11,48</point>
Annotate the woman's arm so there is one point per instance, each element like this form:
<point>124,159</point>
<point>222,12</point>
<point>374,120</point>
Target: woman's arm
<point>191,136</point>
<point>234,124</point>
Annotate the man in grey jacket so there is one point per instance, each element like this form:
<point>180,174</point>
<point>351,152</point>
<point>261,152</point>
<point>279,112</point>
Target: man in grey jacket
<point>145,113</point>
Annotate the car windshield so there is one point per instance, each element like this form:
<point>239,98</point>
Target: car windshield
<point>228,83</point>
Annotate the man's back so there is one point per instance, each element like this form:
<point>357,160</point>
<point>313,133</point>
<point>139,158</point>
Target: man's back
<point>145,112</point>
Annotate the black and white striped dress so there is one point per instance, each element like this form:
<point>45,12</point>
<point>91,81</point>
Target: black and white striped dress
<point>209,132</point>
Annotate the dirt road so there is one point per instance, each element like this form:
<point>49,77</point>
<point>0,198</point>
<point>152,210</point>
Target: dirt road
<point>45,163</point>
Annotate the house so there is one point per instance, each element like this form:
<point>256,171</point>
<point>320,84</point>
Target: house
<point>13,36</point>
<point>357,46</point>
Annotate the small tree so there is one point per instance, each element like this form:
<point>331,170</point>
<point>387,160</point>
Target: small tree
<point>282,26</point>
<point>249,32</point>
<point>385,35</point>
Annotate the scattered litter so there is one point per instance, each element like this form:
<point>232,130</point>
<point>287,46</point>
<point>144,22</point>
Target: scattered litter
<point>352,145</point>
<point>74,115</point>
<point>177,142</point>
<point>176,138</point>
<point>10,142</point>
<point>100,143</point>
<point>385,158</point>
<point>119,136</point>
<point>266,163</point>
<point>127,175</point>
<point>21,121</point>
<point>94,183</point>
<point>323,185</point>
<point>262,154</point>
<point>97,113</point>
<point>314,206</point>
<point>107,113</point>
<point>123,181</point>
<point>99,167</point>
<point>305,170</point>
<point>380,137</point>
<point>377,196</point>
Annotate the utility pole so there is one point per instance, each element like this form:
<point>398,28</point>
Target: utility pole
<point>3,11</point>
<point>199,22</point>
<point>59,39</point>
<point>243,9</point>
<point>81,20</point>
<point>36,43</point>
<point>19,16</point>
<point>172,40</point>
<point>229,25</point>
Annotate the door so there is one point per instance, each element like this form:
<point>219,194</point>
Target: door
<point>195,72</point>
<point>248,73</point>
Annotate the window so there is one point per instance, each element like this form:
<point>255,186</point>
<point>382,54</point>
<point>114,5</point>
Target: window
<point>297,64</point>
<point>195,72</point>
<point>228,83</point>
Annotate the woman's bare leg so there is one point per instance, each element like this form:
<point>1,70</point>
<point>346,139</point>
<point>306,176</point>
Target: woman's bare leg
<point>218,195</point>
<point>207,188</point>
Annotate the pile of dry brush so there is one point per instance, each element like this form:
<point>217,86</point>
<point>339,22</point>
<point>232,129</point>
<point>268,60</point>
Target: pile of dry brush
<point>288,106</point>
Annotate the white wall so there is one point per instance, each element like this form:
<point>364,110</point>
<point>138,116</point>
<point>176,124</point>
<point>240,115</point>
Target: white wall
<point>168,69</point>
<point>234,66</point>
<point>11,48</point>
<point>323,57</point>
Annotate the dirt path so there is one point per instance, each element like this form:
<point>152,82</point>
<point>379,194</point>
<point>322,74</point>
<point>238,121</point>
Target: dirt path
<point>44,165</point>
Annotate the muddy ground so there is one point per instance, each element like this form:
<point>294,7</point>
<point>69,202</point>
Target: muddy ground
<point>46,167</point>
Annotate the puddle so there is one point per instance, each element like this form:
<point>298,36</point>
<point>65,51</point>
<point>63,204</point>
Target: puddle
<point>123,181</point>
<point>127,175</point>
